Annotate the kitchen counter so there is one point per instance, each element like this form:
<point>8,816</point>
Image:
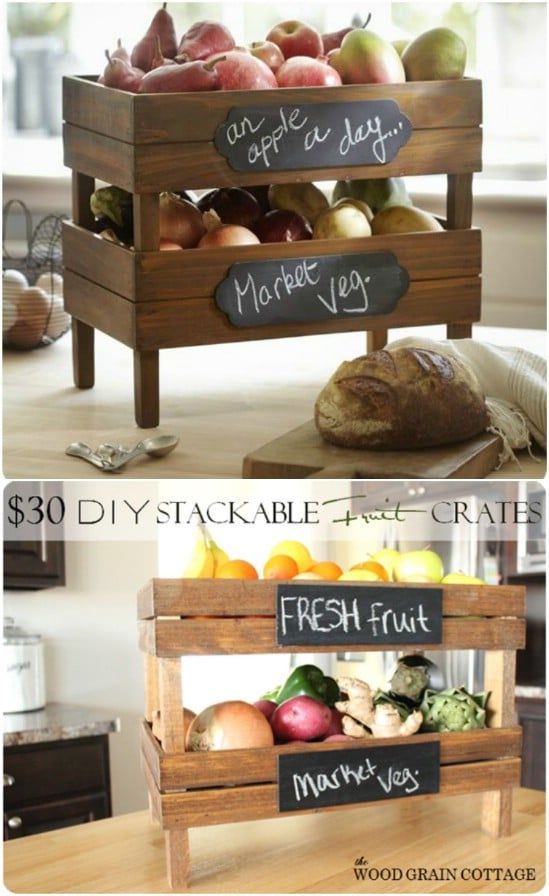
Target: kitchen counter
<point>307,854</point>
<point>57,721</point>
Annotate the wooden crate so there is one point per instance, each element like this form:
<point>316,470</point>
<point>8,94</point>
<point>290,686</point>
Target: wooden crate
<point>151,300</point>
<point>179,617</point>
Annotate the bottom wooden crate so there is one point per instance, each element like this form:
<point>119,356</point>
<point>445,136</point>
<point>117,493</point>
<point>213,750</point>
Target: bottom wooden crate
<point>195,789</point>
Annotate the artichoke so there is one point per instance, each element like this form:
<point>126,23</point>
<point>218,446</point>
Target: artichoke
<point>116,205</point>
<point>404,708</point>
<point>409,681</point>
<point>454,709</point>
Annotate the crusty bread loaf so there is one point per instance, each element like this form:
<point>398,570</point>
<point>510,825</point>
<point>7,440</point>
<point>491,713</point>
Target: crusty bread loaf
<point>401,398</point>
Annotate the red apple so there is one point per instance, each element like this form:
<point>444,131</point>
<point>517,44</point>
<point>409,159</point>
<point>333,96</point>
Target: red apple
<point>333,40</point>
<point>281,226</point>
<point>302,71</point>
<point>269,53</point>
<point>296,39</point>
<point>242,71</point>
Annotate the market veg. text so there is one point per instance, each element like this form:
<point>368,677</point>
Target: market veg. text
<point>319,614</point>
<point>304,274</point>
<point>390,779</point>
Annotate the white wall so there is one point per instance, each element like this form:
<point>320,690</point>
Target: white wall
<point>92,659</point>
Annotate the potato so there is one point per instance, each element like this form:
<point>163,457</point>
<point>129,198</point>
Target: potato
<point>301,718</point>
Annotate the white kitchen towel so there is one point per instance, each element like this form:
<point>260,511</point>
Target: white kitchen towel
<point>514,382</point>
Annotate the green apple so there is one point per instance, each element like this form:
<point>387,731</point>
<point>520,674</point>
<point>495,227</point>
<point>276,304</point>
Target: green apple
<point>459,578</point>
<point>419,566</point>
<point>388,557</point>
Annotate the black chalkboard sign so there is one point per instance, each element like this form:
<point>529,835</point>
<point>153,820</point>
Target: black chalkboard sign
<point>312,288</point>
<point>312,135</point>
<point>316,614</point>
<point>335,778</point>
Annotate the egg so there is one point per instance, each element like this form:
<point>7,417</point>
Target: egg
<point>59,321</point>
<point>51,283</point>
<point>33,307</point>
<point>9,316</point>
<point>13,284</point>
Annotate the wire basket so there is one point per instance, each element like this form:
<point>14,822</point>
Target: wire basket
<point>32,284</point>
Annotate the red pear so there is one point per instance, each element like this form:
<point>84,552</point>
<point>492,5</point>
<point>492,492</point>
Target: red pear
<point>203,39</point>
<point>158,59</point>
<point>120,75</point>
<point>162,26</point>
<point>121,53</point>
<point>189,76</point>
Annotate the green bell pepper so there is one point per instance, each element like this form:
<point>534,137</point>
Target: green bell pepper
<point>308,681</point>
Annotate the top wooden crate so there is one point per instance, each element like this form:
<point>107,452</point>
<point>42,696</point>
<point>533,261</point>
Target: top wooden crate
<point>153,142</point>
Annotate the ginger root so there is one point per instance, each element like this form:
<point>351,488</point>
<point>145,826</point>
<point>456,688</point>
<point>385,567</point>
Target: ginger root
<point>365,719</point>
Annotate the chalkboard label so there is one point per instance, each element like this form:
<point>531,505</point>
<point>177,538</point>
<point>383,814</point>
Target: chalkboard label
<point>314,288</point>
<point>335,778</point>
<point>316,614</point>
<point>312,135</point>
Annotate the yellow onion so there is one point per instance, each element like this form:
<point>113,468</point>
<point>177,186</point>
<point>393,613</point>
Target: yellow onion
<point>232,725</point>
<point>180,221</point>
<point>219,234</point>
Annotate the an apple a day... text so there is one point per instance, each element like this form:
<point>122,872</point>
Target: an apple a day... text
<point>278,137</point>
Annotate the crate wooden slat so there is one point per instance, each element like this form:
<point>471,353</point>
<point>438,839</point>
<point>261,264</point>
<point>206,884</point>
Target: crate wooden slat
<point>157,118</point>
<point>148,168</point>
<point>198,637</point>
<point>240,597</point>
<point>160,276</point>
<point>257,801</point>
<point>172,771</point>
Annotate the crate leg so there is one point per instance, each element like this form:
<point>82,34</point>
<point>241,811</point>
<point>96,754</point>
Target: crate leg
<point>459,330</point>
<point>146,388</point>
<point>459,201</point>
<point>83,354</point>
<point>499,679</point>
<point>497,812</point>
<point>376,339</point>
<point>178,857</point>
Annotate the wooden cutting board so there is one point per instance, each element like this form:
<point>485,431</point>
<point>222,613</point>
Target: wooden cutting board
<point>302,452</point>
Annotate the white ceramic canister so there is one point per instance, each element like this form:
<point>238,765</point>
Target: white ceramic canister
<point>24,675</point>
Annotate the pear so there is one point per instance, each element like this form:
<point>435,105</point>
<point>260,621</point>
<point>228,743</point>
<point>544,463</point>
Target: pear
<point>366,58</point>
<point>436,55</point>
<point>378,193</point>
<point>120,75</point>
<point>303,198</point>
<point>341,222</point>
<point>162,26</point>
<point>356,203</point>
<point>204,39</point>
<point>403,219</point>
<point>121,53</point>
<point>189,76</point>
<point>332,40</point>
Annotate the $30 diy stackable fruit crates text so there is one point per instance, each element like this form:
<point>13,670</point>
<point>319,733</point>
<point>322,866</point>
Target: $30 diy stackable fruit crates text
<point>180,617</point>
<point>151,300</point>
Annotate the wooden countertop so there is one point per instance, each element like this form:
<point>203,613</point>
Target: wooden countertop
<point>306,854</point>
<point>222,401</point>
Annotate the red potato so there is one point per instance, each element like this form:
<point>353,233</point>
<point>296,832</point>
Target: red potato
<point>301,718</point>
<point>267,707</point>
<point>335,723</point>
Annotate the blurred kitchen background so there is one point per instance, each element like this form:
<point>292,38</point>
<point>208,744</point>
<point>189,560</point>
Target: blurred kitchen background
<point>506,48</point>
<point>70,642</point>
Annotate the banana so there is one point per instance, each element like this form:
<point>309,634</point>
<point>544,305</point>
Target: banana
<point>201,563</point>
<point>220,556</point>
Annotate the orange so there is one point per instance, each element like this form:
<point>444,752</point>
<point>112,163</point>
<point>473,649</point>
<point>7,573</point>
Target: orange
<point>280,567</point>
<point>296,551</point>
<point>327,570</point>
<point>237,569</point>
<point>374,567</point>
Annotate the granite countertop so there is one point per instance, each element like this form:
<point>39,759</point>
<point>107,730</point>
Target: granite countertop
<point>57,721</point>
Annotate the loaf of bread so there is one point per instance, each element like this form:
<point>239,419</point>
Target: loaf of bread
<point>401,398</point>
